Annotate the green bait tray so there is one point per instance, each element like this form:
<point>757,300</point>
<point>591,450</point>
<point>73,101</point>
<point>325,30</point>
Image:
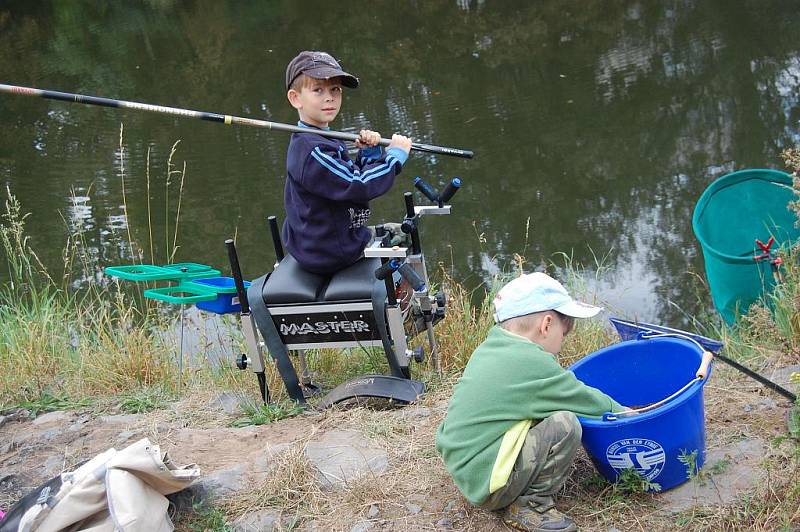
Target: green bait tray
<point>168,272</point>
<point>193,270</point>
<point>141,272</point>
<point>182,294</point>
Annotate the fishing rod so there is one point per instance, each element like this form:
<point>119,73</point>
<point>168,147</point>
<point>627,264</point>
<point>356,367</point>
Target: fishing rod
<point>215,117</point>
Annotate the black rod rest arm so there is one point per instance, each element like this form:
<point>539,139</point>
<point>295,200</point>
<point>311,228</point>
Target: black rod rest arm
<point>407,272</point>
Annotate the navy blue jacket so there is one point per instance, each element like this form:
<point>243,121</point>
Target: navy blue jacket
<point>327,199</point>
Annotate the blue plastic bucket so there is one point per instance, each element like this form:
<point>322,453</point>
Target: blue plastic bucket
<point>227,300</point>
<point>664,444</point>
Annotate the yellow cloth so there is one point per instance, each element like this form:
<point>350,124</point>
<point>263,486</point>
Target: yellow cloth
<point>507,455</point>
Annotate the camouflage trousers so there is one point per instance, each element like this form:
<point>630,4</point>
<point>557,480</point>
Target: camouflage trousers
<point>543,463</point>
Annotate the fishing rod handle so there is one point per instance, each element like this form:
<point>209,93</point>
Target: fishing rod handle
<point>415,146</point>
<point>763,380</point>
<point>441,150</point>
<point>237,276</point>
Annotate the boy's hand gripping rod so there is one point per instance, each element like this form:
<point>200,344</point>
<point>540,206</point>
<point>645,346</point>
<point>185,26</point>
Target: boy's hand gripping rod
<point>215,117</point>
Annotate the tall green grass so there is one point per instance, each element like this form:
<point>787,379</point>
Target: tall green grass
<point>56,341</point>
<point>61,342</point>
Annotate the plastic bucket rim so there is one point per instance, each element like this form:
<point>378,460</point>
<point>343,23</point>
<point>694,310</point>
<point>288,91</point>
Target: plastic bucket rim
<point>675,403</point>
<point>678,401</point>
<point>717,185</point>
<point>219,289</point>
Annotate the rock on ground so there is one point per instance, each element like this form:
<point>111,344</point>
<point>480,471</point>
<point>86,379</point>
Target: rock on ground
<point>340,456</point>
<point>258,521</point>
<point>728,473</point>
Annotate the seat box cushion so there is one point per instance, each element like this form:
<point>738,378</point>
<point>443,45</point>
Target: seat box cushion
<point>353,283</point>
<point>290,283</point>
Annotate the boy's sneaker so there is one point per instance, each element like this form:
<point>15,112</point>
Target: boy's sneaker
<point>523,516</point>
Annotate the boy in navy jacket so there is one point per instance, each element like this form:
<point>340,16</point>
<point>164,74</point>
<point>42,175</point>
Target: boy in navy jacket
<point>327,194</point>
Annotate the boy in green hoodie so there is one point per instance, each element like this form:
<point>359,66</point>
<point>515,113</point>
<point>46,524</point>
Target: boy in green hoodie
<point>511,431</point>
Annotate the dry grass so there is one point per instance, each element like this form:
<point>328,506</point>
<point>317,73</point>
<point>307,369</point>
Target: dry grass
<point>59,344</point>
<point>292,488</point>
<point>466,323</point>
<point>294,491</point>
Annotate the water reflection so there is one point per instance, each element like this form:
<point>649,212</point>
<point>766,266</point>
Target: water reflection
<point>597,125</point>
<point>79,213</point>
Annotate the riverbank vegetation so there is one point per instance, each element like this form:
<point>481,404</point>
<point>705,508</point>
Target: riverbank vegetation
<point>104,347</point>
<point>62,347</point>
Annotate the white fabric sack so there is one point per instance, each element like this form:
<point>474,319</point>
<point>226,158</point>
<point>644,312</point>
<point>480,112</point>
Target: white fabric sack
<point>114,491</point>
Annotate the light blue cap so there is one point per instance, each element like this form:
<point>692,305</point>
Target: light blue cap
<point>537,292</point>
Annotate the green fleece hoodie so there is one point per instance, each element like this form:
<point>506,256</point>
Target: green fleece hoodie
<point>507,380</point>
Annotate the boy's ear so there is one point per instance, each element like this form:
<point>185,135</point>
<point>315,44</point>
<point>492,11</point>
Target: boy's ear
<point>294,98</point>
<point>544,324</point>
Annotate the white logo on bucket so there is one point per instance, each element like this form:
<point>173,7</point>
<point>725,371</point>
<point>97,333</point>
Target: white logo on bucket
<point>645,456</point>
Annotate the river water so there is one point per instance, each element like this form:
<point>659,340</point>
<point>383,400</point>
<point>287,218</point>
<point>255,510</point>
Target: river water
<point>596,125</point>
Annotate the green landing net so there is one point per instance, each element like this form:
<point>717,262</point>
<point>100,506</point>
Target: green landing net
<point>733,213</point>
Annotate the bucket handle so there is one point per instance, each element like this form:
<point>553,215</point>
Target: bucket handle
<point>700,375</point>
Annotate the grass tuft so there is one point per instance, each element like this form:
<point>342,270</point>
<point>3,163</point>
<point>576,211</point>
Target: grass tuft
<point>49,403</point>
<point>261,414</point>
<point>145,399</point>
<point>630,482</point>
<point>291,488</point>
<point>206,518</point>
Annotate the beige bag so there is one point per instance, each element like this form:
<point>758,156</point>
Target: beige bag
<point>114,491</point>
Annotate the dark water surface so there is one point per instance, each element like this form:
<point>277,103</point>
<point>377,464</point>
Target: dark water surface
<point>596,123</point>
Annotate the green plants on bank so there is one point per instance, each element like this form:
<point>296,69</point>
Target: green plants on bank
<point>96,340</point>
<point>143,399</point>
<point>720,466</point>
<point>793,416</point>
<point>689,460</point>
<point>793,422</point>
<point>630,481</point>
<point>262,414</point>
<point>206,518</point>
<point>48,403</point>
